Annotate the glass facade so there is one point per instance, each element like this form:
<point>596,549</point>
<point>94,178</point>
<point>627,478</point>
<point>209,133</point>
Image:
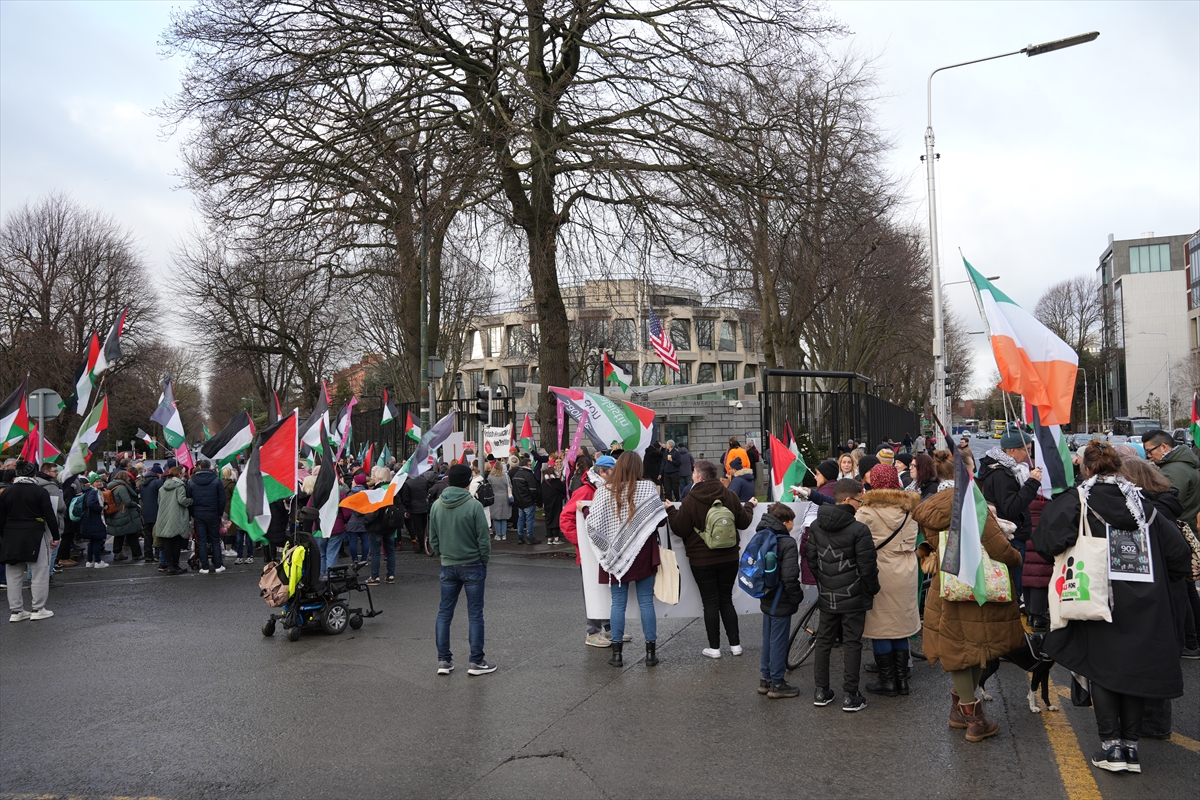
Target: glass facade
<point>685,372</point>
<point>623,335</point>
<point>681,334</point>
<point>707,373</point>
<point>728,336</point>
<point>652,374</point>
<point>704,334</point>
<point>517,375</point>
<point>1150,258</point>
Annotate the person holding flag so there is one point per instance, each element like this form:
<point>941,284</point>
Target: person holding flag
<point>965,635</point>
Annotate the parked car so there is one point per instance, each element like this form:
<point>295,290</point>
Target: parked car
<point>1182,436</point>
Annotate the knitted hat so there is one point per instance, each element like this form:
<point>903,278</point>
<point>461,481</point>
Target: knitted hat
<point>905,458</point>
<point>1014,437</point>
<point>885,456</point>
<point>156,470</point>
<point>26,469</point>
<point>829,469</point>
<point>360,479</point>
<point>736,464</point>
<point>883,476</point>
<point>460,476</point>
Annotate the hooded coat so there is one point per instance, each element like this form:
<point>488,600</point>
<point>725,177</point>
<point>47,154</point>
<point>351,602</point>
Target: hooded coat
<point>1182,469</point>
<point>843,554</point>
<point>691,514</point>
<point>127,521</point>
<point>26,519</point>
<point>91,524</point>
<point>894,614</point>
<point>742,484</point>
<point>173,504</point>
<point>1138,652</point>
<point>966,634</point>
<point>208,495</point>
<point>788,554</point>
<point>458,529</point>
<point>148,488</point>
<point>1010,498</point>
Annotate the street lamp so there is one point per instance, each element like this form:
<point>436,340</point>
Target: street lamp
<point>939,343</point>
<point>1170,397</point>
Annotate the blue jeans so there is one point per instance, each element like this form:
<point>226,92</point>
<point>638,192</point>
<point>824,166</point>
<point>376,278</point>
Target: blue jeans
<point>388,543</point>
<point>454,578</point>
<point>323,549</point>
<point>359,543</point>
<point>774,647</point>
<point>208,534</point>
<point>331,551</point>
<point>501,527</point>
<point>645,598</point>
<point>884,646</point>
<point>525,523</point>
<point>245,545</point>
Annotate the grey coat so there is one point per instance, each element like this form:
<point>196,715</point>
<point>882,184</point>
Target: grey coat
<point>502,508</point>
<point>173,502</point>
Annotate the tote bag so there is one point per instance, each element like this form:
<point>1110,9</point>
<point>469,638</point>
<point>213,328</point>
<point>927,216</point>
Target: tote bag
<point>666,580</point>
<point>997,580</point>
<point>1079,588</point>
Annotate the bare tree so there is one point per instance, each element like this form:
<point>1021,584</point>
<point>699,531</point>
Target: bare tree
<point>1072,310</point>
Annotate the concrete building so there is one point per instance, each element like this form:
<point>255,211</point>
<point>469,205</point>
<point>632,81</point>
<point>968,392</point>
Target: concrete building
<point>1192,257</point>
<point>714,343</point>
<point>1144,286</point>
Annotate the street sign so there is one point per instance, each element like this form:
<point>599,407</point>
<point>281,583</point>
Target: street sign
<point>44,404</point>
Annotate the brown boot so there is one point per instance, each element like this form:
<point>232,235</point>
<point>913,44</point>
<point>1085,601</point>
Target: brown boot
<point>979,727</point>
<point>957,720</point>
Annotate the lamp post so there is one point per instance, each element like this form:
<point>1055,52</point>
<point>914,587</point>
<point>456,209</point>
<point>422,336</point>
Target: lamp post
<point>1170,397</point>
<point>939,344</point>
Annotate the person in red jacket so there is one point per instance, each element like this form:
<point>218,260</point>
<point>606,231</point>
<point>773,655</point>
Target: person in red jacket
<point>1035,577</point>
<point>598,630</point>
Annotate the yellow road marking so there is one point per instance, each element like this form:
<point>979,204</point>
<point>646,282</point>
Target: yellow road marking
<point>1184,742</point>
<point>1073,767</point>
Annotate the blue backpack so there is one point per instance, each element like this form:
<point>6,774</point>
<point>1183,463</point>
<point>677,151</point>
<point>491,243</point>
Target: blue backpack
<point>758,570</point>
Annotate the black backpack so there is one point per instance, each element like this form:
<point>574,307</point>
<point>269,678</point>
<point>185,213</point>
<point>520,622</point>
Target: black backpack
<point>485,494</point>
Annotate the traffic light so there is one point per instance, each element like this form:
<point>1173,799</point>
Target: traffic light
<point>483,404</point>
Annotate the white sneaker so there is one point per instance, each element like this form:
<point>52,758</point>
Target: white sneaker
<point>101,565</point>
<point>42,613</point>
<point>19,616</point>
<point>736,649</point>
<point>711,652</point>
<point>202,571</point>
<point>88,565</point>
<point>237,561</point>
<point>230,553</point>
<point>219,569</point>
<point>250,560</point>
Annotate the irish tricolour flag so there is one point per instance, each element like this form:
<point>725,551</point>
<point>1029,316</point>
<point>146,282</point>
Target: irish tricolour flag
<point>1033,361</point>
<point>787,470</point>
<point>606,419</point>
<point>964,541</point>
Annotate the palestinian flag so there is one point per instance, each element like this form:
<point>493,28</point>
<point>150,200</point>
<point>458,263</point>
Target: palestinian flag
<point>343,430</point>
<point>32,451</point>
<point>95,424</point>
<point>384,457</point>
<point>325,496</point>
<point>112,346</point>
<point>526,440</point>
<point>236,436</point>
<point>85,379</point>
<point>389,410</point>
<point>150,441</point>
<point>204,430</point>
<point>964,540</point>
<point>14,415</point>
<point>1195,426</point>
<point>1050,452</point>
<point>310,431</point>
<point>274,410</point>
<point>167,415</point>
<point>184,456</point>
<point>410,427</point>
<point>1033,361</point>
<point>789,439</point>
<point>787,470</point>
<point>606,419</point>
<point>306,455</point>
<point>270,475</point>
<point>613,373</point>
<point>367,458</point>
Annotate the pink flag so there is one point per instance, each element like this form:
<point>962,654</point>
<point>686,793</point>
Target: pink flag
<point>558,439</point>
<point>184,456</point>
<point>572,452</point>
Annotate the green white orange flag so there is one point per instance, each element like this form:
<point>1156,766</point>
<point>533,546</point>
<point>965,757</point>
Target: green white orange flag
<point>787,471</point>
<point>607,419</point>
<point>1033,361</point>
<point>963,557</point>
<point>14,415</point>
<point>410,427</point>
<point>526,440</point>
<point>95,424</point>
<point>613,373</point>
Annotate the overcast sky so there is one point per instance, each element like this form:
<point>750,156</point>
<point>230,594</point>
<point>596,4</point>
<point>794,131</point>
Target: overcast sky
<point>1041,158</point>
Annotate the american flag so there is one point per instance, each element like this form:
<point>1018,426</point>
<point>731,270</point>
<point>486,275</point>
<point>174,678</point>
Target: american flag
<point>662,343</point>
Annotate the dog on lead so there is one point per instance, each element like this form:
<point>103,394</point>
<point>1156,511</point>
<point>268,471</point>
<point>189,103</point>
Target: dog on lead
<point>1031,658</point>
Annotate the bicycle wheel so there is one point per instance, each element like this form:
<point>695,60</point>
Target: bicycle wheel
<point>804,638</point>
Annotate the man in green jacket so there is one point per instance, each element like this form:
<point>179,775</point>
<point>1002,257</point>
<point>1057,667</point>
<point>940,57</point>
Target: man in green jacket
<point>458,534</point>
<point>1181,467</point>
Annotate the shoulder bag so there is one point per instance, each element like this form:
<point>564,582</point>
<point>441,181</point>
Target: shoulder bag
<point>1079,587</point>
<point>667,579</point>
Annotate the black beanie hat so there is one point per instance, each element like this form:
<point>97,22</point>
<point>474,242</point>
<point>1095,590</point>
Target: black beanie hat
<point>828,469</point>
<point>460,476</point>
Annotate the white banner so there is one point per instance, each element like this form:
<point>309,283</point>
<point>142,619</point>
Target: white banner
<point>497,441</point>
<point>598,599</point>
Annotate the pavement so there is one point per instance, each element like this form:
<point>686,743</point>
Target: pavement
<point>150,686</point>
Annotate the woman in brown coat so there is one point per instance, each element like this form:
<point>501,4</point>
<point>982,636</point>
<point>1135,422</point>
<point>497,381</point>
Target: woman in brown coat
<point>893,617</point>
<point>964,635</point>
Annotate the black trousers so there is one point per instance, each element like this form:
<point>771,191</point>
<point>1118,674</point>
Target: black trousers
<point>1192,617</point>
<point>670,482</point>
<point>1118,716</point>
<point>173,545</point>
<point>119,542</point>
<point>417,524</point>
<point>715,582</point>
<point>851,627</point>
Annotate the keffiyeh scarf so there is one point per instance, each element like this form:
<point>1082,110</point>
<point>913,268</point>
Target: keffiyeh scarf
<point>1010,465</point>
<point>618,542</point>
<point>1132,494</point>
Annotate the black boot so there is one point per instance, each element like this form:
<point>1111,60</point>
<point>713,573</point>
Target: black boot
<point>886,685</point>
<point>651,658</point>
<point>900,658</point>
<point>614,657</point>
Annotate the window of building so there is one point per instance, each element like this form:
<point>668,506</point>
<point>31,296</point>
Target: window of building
<point>728,371</point>
<point>623,335</point>
<point>748,342</point>
<point>1150,258</point>
<point>681,334</point>
<point>676,432</point>
<point>653,374</point>
<point>533,339</point>
<point>516,376</point>
<point>645,325</point>
<point>492,345</point>
<point>685,372</point>
<point>707,373</point>
<point>728,336</point>
<point>704,334</point>
<point>493,377</point>
<point>476,345</point>
<point>518,341</point>
<point>750,371</point>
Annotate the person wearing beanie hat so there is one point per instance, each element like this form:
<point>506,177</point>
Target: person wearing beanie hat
<point>1010,486</point>
<point>903,461</point>
<point>886,456</point>
<point>458,535</point>
<point>360,479</point>
<point>826,475</point>
<point>29,526</point>
<point>894,616</point>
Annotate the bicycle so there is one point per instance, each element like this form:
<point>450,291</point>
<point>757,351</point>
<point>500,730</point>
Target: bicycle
<point>804,638</point>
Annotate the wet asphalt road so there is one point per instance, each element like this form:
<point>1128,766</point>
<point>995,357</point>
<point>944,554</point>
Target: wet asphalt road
<point>143,685</point>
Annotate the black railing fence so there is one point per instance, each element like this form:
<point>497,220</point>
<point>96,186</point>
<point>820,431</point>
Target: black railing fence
<point>368,428</point>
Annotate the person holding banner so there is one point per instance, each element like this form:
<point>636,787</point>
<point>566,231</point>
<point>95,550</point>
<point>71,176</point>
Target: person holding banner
<point>1135,657</point>
<point>626,515</point>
